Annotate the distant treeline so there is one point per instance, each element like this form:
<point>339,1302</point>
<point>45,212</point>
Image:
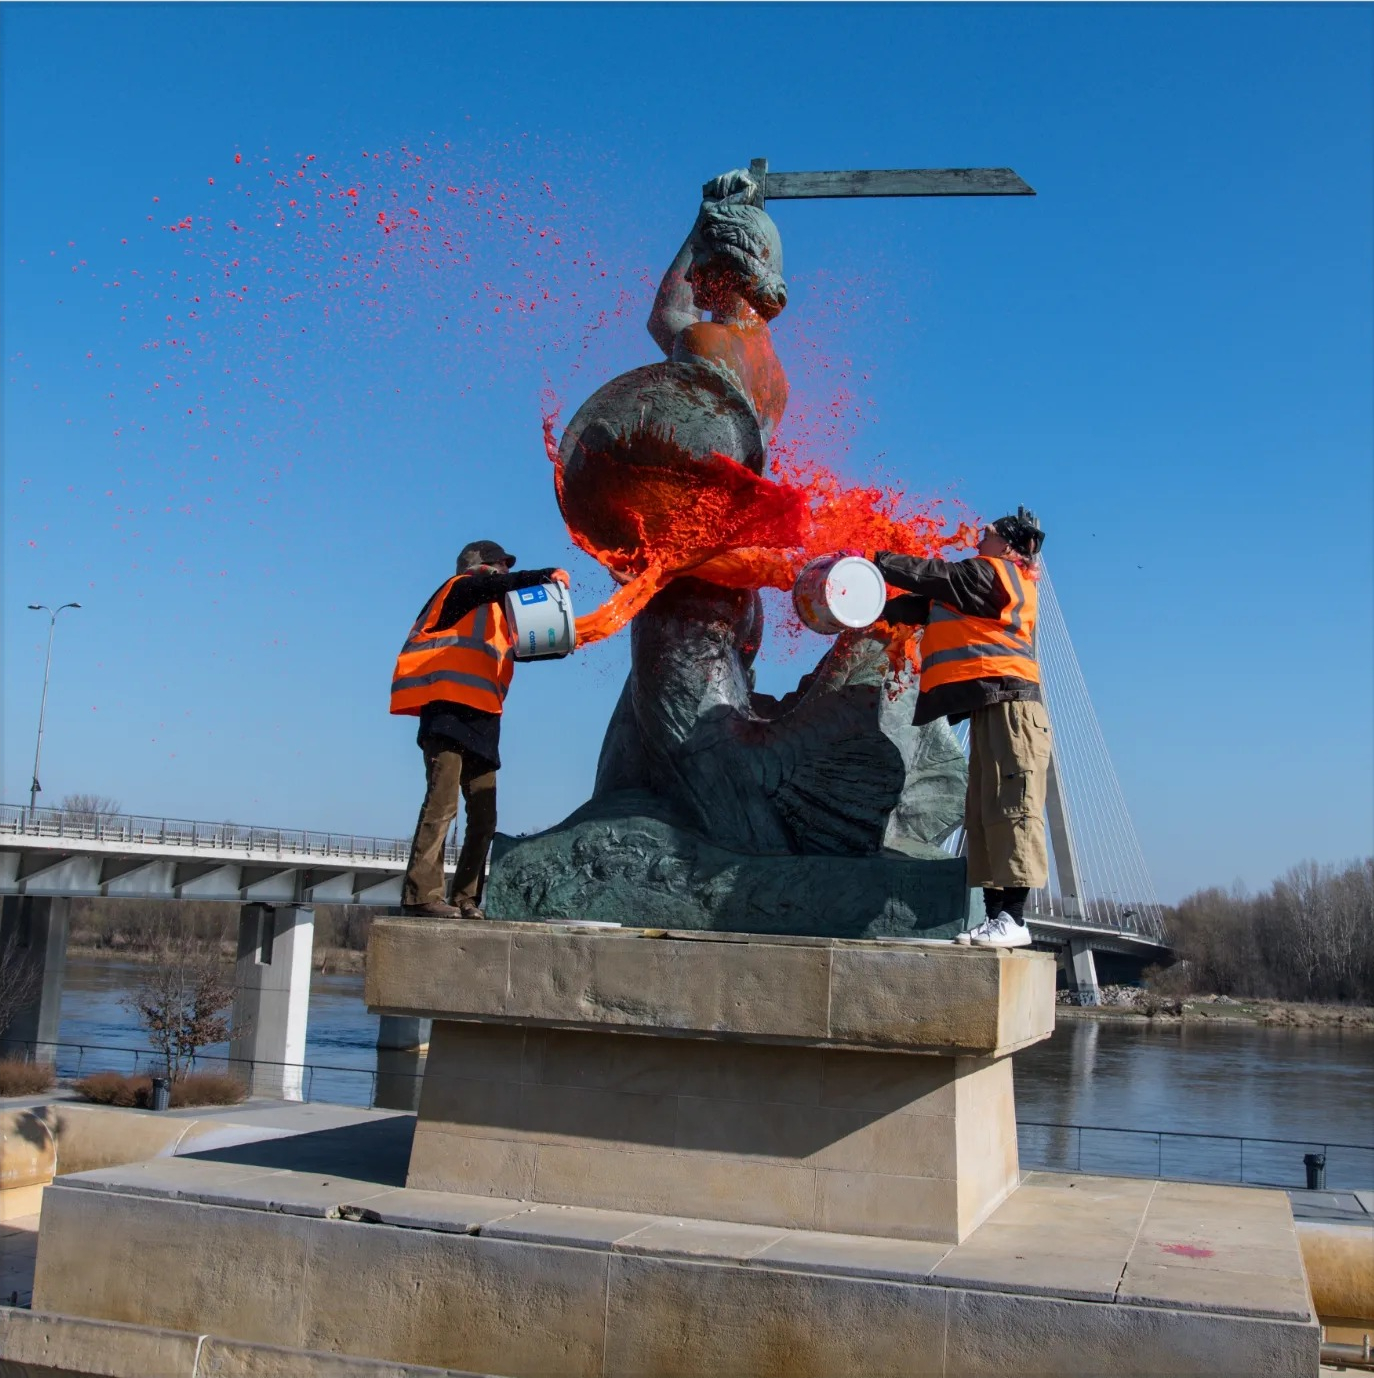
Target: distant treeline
<point>1310,936</point>
<point>141,925</point>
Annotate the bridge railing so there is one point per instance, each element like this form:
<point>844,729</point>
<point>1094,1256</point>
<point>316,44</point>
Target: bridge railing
<point>1186,1154</point>
<point>1101,914</point>
<point>195,835</point>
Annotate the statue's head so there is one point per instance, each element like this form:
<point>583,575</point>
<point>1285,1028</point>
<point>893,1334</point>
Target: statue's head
<point>738,253</point>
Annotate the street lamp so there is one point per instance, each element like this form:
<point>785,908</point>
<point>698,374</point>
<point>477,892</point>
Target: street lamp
<point>43,703</point>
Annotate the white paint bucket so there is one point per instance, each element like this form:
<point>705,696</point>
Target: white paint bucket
<point>541,620</point>
<point>839,592</point>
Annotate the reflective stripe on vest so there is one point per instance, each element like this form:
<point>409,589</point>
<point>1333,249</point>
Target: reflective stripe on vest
<point>956,647</point>
<point>468,663</point>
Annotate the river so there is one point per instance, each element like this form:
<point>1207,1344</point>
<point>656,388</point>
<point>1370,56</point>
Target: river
<point>1313,1085</point>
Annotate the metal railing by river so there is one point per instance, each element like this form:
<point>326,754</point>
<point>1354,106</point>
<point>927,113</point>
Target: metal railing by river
<point>1177,1154</point>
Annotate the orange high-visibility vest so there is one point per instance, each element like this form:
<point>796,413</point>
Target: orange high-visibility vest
<point>956,647</point>
<point>468,663</point>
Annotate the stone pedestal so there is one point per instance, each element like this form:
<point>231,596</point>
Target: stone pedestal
<point>33,932</point>
<point>272,997</point>
<point>853,1086</point>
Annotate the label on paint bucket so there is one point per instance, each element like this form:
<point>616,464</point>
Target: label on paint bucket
<point>542,622</point>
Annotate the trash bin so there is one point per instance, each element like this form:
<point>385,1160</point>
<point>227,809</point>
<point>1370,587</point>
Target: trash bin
<point>1315,1163</point>
<point>162,1093</point>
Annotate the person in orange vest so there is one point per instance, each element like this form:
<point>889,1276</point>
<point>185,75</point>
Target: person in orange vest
<point>453,673</point>
<point>978,662</point>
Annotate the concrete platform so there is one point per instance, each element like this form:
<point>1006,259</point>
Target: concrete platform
<point>1072,1275</point>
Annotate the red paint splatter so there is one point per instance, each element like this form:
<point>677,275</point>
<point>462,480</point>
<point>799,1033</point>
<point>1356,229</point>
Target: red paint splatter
<point>1187,1250</point>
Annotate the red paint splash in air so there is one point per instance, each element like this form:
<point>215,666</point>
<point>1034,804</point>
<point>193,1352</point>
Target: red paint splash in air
<point>257,308</point>
<point>718,521</point>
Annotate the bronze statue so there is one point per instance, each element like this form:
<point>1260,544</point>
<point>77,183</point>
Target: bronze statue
<point>661,477</point>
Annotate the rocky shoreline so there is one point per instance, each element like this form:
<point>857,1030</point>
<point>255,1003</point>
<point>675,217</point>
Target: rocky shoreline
<point>1133,1004</point>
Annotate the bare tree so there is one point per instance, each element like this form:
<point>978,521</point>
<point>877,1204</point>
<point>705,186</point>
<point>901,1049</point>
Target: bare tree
<point>88,810</point>
<point>181,1000</point>
<point>1310,936</point>
<point>20,981</point>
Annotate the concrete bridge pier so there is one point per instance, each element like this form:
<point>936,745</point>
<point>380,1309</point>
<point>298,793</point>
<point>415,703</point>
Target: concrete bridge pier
<point>402,1033</point>
<point>1082,971</point>
<point>402,1046</point>
<point>33,939</point>
<point>272,997</point>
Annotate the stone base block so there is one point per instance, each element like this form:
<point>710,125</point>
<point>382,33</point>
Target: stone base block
<point>909,997</point>
<point>804,1138</point>
<point>34,1344</point>
<point>1072,1276</point>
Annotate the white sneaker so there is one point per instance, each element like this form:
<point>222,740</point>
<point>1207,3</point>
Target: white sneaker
<point>1001,931</point>
<point>978,931</point>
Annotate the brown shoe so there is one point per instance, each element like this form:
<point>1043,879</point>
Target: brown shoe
<point>435,909</point>
<point>470,909</point>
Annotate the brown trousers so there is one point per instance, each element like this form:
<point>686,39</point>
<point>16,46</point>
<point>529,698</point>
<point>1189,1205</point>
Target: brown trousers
<point>445,776</point>
<point>1004,814</point>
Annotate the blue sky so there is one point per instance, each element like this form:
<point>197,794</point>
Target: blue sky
<point>1167,353</point>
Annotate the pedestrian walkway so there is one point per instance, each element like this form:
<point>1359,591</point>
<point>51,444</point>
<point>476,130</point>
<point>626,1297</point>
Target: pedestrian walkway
<point>18,1249</point>
<point>1334,1207</point>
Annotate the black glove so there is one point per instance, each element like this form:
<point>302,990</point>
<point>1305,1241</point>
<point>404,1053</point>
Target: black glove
<point>907,610</point>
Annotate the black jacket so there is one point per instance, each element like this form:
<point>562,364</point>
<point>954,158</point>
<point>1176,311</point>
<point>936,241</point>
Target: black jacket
<point>467,728</point>
<point>970,587</point>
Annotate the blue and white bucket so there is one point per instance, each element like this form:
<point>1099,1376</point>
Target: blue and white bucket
<point>542,623</point>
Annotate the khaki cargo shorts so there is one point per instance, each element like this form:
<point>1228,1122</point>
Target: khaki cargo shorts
<point>1004,813</point>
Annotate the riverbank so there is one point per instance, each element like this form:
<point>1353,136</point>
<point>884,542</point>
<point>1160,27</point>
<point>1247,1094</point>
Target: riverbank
<point>1135,1006</point>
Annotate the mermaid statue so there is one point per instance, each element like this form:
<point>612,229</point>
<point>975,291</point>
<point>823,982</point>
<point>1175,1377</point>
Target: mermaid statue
<point>714,805</point>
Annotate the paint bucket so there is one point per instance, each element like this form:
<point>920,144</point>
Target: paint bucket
<point>839,592</point>
<point>541,621</point>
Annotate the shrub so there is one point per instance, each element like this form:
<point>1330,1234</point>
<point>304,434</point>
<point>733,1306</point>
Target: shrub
<point>208,1088</point>
<point>21,1078</point>
<point>136,1091</point>
<point>114,1088</point>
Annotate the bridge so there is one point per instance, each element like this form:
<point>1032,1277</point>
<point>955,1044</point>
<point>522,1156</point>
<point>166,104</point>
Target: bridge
<point>122,856</point>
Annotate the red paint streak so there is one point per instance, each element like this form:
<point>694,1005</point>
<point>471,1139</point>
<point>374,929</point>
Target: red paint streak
<point>1187,1250</point>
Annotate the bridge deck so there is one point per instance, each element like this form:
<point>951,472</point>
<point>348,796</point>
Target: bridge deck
<point>53,852</point>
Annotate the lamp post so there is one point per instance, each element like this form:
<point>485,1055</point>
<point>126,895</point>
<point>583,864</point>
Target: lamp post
<point>43,703</point>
